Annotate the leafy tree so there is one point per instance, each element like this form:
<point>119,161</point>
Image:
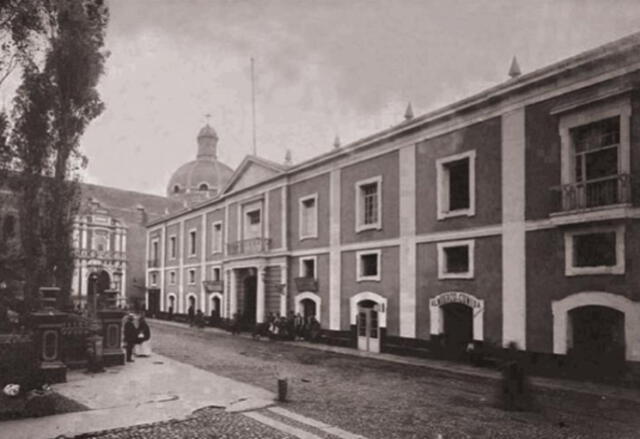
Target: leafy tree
<point>55,102</point>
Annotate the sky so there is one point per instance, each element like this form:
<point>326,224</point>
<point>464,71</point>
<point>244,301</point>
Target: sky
<point>323,68</point>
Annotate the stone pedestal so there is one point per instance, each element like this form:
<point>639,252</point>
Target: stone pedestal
<point>111,317</point>
<point>47,323</point>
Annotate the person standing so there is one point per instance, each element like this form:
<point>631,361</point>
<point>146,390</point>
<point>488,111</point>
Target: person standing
<point>191,313</point>
<point>144,337</point>
<point>130,337</point>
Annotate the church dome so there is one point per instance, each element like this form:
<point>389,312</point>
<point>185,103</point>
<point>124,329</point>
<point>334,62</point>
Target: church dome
<point>204,176</point>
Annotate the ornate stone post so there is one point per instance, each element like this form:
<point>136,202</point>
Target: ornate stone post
<point>47,323</point>
<point>111,318</point>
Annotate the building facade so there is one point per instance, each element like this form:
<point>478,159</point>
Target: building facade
<point>511,216</point>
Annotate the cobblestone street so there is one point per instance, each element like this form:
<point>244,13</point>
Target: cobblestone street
<point>382,400</point>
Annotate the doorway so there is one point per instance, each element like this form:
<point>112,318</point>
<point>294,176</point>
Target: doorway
<point>153,307</point>
<point>368,326</point>
<point>215,307</point>
<point>250,299</point>
<point>457,328</point>
<point>308,308</point>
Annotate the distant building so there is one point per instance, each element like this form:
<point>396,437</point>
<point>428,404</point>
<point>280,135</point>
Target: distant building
<point>508,217</point>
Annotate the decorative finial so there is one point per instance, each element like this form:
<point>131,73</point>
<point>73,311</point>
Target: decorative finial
<point>514,70</point>
<point>408,114</point>
<point>336,142</point>
<point>287,158</point>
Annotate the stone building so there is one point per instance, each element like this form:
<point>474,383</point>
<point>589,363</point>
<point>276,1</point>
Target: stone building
<point>507,217</point>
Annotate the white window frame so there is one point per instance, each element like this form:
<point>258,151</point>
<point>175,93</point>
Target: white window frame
<point>359,276</point>
<point>442,186</point>
<point>191,273</point>
<point>579,117</point>
<point>213,273</point>
<point>153,279</point>
<point>315,266</point>
<point>216,238</point>
<point>155,243</point>
<point>619,268</point>
<point>442,259</point>
<point>172,277</point>
<point>195,242</point>
<point>360,226</point>
<point>173,246</point>
<point>314,232</point>
<point>246,209</point>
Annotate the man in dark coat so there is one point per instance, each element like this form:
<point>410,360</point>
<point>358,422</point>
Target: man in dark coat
<point>130,337</point>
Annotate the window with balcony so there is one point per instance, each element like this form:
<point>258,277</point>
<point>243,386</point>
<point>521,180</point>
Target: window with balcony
<point>595,251</point>
<point>595,156</point>
<point>369,204</point>
<point>309,217</point>
<point>172,247</point>
<point>252,224</point>
<point>368,266</point>
<point>192,243</point>
<point>216,237</point>
<point>456,185</point>
<point>455,260</point>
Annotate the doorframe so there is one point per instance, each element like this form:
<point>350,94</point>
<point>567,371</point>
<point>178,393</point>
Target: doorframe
<point>220,297</point>
<point>311,296</point>
<point>563,329</point>
<point>374,297</point>
<point>436,314</point>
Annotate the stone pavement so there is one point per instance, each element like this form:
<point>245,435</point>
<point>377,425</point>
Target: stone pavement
<point>590,388</point>
<point>149,390</point>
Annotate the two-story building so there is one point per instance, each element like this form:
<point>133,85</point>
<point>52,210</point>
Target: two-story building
<point>508,217</point>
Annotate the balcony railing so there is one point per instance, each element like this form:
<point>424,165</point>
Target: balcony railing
<point>213,286</point>
<point>594,193</point>
<point>306,284</point>
<point>153,263</point>
<point>248,246</point>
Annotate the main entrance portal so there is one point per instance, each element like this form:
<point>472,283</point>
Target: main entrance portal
<point>458,327</point>
<point>250,299</point>
<point>368,326</point>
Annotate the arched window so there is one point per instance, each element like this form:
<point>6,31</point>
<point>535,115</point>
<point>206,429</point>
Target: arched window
<point>204,187</point>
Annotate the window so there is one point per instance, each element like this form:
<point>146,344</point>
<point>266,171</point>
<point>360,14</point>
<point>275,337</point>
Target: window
<point>154,250</point>
<point>216,273</point>
<point>254,217</point>
<point>595,251</point>
<point>368,265</point>
<point>154,279</point>
<point>308,267</point>
<point>192,276</point>
<point>176,189</point>
<point>455,260</point>
<point>309,217</point>
<point>192,243</point>
<point>172,277</point>
<point>456,185</point>
<point>368,204</point>
<point>172,247</point>
<point>101,242</point>
<point>203,187</point>
<point>216,237</point>
<point>252,226</point>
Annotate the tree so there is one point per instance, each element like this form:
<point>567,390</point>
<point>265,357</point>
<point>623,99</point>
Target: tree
<point>55,102</point>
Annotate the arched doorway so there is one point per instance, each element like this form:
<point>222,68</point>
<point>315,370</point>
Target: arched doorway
<point>308,304</point>
<point>216,306</point>
<point>457,328</point>
<point>308,308</point>
<point>172,304</point>
<point>598,339</point>
<point>368,326</point>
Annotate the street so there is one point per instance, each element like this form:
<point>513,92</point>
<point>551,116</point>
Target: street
<point>382,400</point>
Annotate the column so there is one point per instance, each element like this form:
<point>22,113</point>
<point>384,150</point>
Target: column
<point>181,278</point>
<point>285,289</point>
<point>163,249</point>
<point>75,283</point>
<point>407,299</point>
<point>284,218</point>
<point>83,233</point>
<point>335,270</point>
<point>514,233</point>
<point>261,274</point>
<point>83,278</point>
<point>203,263</point>
<point>233,294</point>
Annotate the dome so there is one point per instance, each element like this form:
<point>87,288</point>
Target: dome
<point>204,176</point>
<point>192,177</point>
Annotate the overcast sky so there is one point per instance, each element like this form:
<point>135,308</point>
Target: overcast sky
<point>346,67</point>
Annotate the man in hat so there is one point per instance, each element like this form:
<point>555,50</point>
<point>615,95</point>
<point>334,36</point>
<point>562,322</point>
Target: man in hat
<point>130,337</point>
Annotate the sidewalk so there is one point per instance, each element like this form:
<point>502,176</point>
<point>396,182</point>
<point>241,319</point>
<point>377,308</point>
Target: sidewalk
<point>149,390</point>
<point>590,388</point>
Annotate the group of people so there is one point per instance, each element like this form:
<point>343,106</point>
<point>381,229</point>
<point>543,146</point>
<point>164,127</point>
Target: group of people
<point>292,327</point>
<point>136,338</point>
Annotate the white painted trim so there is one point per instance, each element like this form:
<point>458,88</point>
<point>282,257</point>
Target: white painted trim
<point>360,226</point>
<point>310,296</point>
<point>260,293</point>
<point>265,228</point>
<point>189,276</point>
<point>301,201</point>
<point>601,213</point>
<point>216,241</point>
<point>154,241</point>
<point>436,315</point>
<point>442,186</point>
<point>619,268</point>
<point>301,265</point>
<point>359,276</point>
<point>374,297</point>
<point>442,260</point>
<point>245,209</point>
<point>335,256</point>
<point>562,329</point>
